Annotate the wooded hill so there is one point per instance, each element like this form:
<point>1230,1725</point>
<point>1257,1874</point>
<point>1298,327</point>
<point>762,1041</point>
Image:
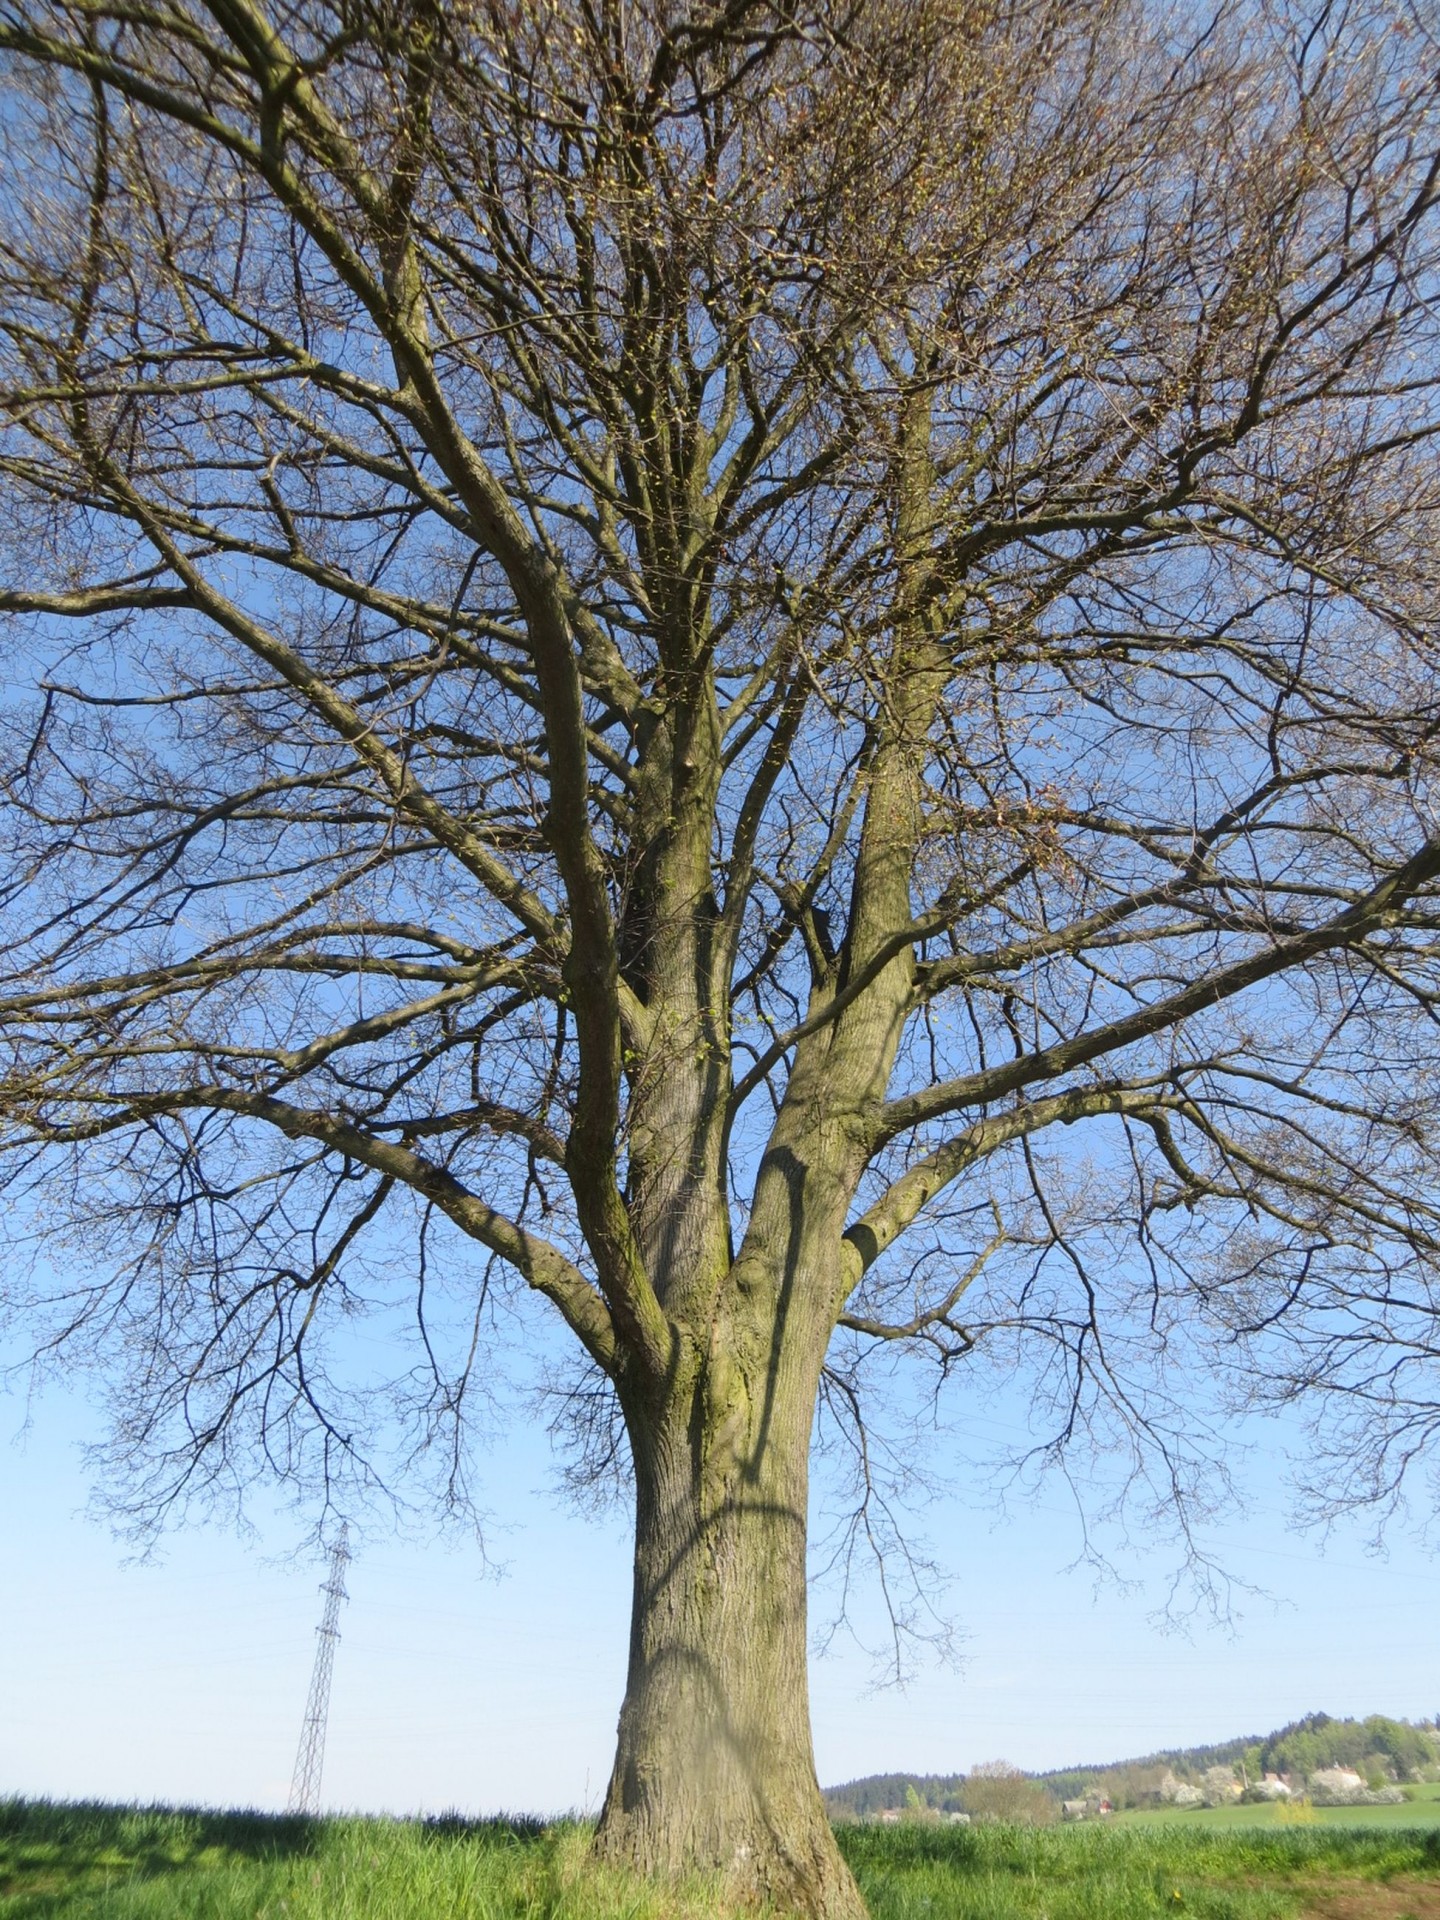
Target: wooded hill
<point>1401,1749</point>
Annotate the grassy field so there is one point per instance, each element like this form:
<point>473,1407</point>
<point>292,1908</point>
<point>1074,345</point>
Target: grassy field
<point>1422,1811</point>
<point>110,1863</point>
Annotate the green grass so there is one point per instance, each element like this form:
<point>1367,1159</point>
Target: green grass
<point>113,1863</point>
<point>1422,1811</point>
<point>1105,1872</point>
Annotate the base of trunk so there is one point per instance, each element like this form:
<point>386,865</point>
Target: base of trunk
<point>785,1858</point>
<point>714,1768</point>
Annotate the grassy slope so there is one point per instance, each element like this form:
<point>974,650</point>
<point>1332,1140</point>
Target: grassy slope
<point>1422,1811</point>
<point>99,1863</point>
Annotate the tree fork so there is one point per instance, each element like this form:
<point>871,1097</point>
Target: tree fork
<point>903,467</point>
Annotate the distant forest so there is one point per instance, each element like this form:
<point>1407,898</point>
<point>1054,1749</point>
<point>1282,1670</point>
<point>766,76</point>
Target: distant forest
<point>1397,1749</point>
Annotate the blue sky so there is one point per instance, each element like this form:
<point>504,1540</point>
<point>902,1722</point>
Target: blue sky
<point>459,1687</point>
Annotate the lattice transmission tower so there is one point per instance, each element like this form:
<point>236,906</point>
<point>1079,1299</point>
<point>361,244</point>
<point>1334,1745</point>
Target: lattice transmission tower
<point>310,1756</point>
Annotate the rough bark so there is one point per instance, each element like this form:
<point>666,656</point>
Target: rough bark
<point>715,1771</point>
<point>816,575</point>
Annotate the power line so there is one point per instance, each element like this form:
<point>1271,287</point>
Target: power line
<point>310,1756</point>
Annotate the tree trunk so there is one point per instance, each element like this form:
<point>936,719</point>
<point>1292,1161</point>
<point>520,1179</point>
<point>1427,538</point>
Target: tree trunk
<point>715,1771</point>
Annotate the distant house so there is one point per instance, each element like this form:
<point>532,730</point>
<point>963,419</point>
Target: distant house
<point>1272,1787</point>
<point>1094,1806</point>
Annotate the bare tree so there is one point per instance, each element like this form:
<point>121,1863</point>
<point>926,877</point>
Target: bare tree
<point>770,660</point>
<point>998,1790</point>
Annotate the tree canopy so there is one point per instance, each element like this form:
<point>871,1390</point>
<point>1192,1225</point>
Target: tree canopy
<point>770,666</point>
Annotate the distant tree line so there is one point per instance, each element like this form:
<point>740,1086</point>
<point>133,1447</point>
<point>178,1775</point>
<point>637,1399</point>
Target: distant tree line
<point>1376,1747</point>
<point>877,1792</point>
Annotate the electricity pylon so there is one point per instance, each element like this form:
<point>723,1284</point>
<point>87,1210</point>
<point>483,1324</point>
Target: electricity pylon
<point>310,1757</point>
